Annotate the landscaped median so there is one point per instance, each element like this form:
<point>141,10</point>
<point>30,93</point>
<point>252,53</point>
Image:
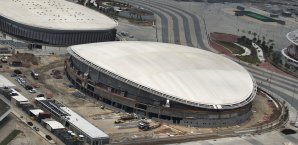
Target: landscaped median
<point>234,44</point>
<point>235,49</point>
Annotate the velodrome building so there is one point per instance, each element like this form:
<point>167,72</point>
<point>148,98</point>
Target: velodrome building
<point>54,22</point>
<point>290,54</point>
<point>166,82</point>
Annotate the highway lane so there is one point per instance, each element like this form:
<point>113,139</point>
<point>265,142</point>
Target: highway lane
<point>190,21</point>
<point>164,21</point>
<point>258,69</point>
<point>175,30</point>
<point>185,25</point>
<point>194,18</point>
<point>264,80</point>
<point>273,78</point>
<point>278,84</point>
<point>286,97</point>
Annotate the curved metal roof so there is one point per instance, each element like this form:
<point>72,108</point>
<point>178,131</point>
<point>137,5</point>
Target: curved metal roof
<point>293,36</point>
<point>188,75</point>
<point>55,14</point>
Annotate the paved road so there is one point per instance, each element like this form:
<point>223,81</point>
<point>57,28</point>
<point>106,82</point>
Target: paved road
<point>183,21</point>
<point>166,33</point>
<point>191,21</point>
<point>272,138</point>
<point>188,26</point>
<point>284,86</point>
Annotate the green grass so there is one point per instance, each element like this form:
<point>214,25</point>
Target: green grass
<point>235,49</point>
<point>250,59</point>
<point>10,137</point>
<point>232,47</point>
<point>141,22</point>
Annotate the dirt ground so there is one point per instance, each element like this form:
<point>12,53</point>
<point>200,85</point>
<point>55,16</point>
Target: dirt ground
<point>104,119</point>
<point>27,137</point>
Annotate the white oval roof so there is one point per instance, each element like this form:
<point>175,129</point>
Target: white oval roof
<point>186,73</point>
<point>293,36</point>
<point>55,14</point>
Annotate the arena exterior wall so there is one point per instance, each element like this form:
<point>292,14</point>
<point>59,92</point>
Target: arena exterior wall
<point>54,37</point>
<point>125,97</point>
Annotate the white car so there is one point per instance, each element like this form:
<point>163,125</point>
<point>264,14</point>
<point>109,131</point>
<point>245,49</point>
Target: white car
<point>32,91</point>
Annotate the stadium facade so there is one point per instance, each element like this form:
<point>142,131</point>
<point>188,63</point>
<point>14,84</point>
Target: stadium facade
<point>166,82</point>
<point>54,22</point>
<point>290,54</point>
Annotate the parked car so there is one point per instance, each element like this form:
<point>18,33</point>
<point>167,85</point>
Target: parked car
<point>32,91</point>
<point>18,72</point>
<point>48,137</point>
<point>40,95</point>
<point>30,123</point>
<point>13,94</point>
<point>34,75</point>
<point>28,87</point>
<point>36,128</point>
<point>13,75</point>
<point>35,85</point>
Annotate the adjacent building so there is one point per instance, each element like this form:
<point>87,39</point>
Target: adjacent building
<point>290,54</point>
<point>72,121</point>
<point>54,22</point>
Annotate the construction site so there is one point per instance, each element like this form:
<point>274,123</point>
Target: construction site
<point>55,92</point>
<point>124,127</point>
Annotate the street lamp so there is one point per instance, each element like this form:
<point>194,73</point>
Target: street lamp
<point>294,91</point>
<point>296,117</point>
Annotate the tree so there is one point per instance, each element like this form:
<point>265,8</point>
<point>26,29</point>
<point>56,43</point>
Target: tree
<point>254,39</point>
<point>259,41</point>
<point>241,40</point>
<point>264,47</point>
<point>276,57</point>
<point>255,34</point>
<point>248,42</point>
<point>81,2</point>
<point>270,48</point>
<point>264,38</point>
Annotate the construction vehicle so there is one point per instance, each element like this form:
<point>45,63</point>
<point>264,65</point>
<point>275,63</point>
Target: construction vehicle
<point>4,59</point>
<point>145,125</point>
<point>118,121</point>
<point>128,117</point>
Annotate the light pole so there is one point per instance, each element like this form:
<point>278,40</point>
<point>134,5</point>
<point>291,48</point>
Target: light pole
<point>156,30</point>
<point>296,117</point>
<point>294,91</point>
